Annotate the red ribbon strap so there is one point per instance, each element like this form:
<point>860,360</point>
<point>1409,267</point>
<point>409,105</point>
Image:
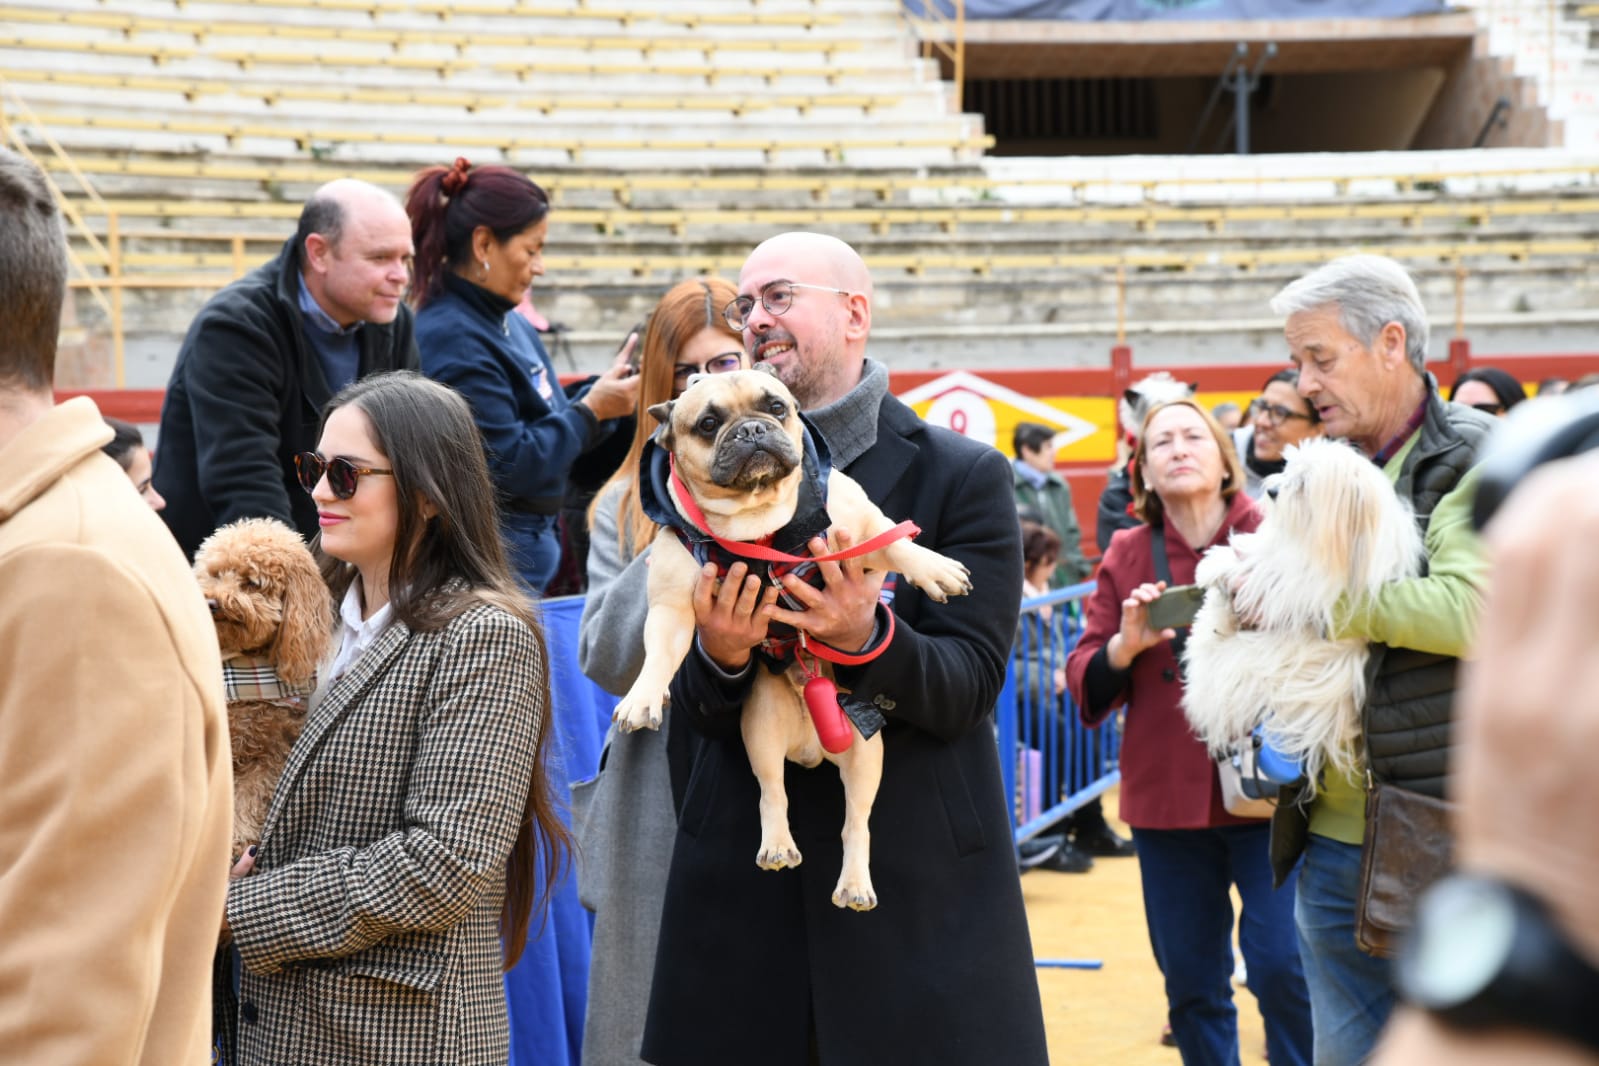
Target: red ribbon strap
<point>691,510</point>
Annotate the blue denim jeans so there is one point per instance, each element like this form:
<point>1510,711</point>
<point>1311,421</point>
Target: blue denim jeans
<point>1351,993</point>
<point>1186,876</point>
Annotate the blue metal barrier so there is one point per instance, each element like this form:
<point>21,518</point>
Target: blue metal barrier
<point>1051,763</point>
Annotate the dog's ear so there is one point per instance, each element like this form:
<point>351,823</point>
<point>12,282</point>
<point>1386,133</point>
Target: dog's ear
<point>307,625</point>
<point>662,413</point>
<point>1132,396</point>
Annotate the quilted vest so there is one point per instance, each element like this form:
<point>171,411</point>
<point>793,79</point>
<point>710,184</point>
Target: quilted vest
<point>1410,694</point>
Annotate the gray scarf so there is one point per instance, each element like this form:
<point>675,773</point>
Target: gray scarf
<point>850,424</point>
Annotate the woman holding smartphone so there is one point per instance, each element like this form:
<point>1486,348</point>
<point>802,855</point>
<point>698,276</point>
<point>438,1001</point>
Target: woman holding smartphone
<point>479,235</point>
<point>1191,851</point>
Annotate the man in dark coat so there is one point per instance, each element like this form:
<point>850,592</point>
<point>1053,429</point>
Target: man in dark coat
<point>267,352</point>
<point>761,966</point>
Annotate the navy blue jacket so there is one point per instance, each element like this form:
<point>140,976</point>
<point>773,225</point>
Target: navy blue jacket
<point>474,341</point>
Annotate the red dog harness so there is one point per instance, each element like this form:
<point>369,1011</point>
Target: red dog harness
<point>821,696</point>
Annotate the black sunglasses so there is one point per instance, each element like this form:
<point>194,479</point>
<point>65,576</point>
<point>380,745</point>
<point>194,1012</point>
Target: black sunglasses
<point>343,475</point>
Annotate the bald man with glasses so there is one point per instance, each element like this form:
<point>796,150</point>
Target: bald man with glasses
<point>756,964</point>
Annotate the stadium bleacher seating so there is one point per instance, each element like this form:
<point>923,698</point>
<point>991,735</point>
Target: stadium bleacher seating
<point>671,141</point>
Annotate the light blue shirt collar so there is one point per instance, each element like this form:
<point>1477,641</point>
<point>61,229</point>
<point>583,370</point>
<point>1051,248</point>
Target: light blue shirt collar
<point>319,318</point>
<point>1036,478</point>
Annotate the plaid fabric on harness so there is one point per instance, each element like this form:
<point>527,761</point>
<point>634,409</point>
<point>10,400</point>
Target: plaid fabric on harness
<point>252,677</point>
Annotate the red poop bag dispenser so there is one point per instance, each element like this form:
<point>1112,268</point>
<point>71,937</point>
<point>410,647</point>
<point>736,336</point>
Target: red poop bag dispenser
<point>832,724</point>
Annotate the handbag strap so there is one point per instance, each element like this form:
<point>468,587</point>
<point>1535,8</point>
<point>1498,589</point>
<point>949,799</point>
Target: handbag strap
<point>1157,539</point>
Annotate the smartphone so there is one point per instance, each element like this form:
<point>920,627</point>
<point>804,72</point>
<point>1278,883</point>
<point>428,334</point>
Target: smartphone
<point>632,359</point>
<point>1176,607</point>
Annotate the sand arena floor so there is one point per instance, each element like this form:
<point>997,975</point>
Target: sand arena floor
<point>1111,1016</point>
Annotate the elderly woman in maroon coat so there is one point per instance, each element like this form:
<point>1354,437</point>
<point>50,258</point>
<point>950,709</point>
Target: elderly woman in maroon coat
<point>1190,850</point>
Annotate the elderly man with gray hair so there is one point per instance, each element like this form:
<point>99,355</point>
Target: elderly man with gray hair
<point>1357,332</point>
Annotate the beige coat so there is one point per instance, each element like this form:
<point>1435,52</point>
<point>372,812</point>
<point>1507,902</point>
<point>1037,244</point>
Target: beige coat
<point>115,781</point>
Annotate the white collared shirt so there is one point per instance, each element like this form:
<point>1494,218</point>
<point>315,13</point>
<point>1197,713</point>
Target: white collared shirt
<point>356,634</point>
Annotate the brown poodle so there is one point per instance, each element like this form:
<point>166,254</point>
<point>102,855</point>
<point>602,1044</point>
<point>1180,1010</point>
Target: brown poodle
<point>274,622</point>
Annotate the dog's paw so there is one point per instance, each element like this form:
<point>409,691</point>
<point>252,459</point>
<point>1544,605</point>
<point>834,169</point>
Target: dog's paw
<point>854,895</point>
<point>940,576</point>
<point>780,854</point>
<point>637,712</point>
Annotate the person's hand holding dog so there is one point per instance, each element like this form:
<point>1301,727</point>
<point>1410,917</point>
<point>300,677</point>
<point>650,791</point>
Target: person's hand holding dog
<point>842,613</point>
<point>1135,636</point>
<point>731,614</point>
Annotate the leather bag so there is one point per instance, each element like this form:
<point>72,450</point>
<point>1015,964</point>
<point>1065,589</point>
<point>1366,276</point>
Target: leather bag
<point>1409,844</point>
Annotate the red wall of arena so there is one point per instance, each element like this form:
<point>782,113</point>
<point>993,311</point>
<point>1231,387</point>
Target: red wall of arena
<point>1087,479</point>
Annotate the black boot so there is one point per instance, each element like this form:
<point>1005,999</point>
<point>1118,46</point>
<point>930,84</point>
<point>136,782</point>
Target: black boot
<point>1093,835</point>
<point>1070,859</point>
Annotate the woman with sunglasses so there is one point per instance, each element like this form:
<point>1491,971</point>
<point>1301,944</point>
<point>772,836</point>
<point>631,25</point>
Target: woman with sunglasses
<point>396,872</point>
<point>1280,417</point>
<point>479,234</point>
<point>1489,389</point>
<point>622,875</point>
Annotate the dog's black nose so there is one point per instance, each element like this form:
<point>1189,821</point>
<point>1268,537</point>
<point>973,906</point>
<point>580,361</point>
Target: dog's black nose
<point>752,428</point>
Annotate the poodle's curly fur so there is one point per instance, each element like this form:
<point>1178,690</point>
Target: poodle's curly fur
<point>268,601</point>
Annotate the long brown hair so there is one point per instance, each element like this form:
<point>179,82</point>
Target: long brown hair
<point>448,563</point>
<point>1146,502</point>
<point>687,309</point>
<point>448,204</point>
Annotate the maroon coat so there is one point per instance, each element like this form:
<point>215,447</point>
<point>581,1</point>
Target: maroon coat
<point>1168,779</point>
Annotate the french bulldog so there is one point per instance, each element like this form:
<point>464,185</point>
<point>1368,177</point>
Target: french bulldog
<point>750,468</point>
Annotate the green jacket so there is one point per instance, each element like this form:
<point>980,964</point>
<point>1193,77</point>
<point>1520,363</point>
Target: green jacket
<point>1054,502</point>
<point>1418,628</point>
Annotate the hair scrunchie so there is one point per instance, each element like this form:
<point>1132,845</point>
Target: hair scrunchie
<point>455,180</point>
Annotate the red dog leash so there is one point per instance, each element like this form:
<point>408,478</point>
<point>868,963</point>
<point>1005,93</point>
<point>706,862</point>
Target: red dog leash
<point>821,696</point>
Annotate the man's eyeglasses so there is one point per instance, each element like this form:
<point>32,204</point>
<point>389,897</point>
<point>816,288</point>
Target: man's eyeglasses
<point>343,475</point>
<point>1276,412</point>
<point>777,298</point>
<point>717,364</point>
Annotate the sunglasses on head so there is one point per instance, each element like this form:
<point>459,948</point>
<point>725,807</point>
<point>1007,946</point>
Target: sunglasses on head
<point>343,476</point>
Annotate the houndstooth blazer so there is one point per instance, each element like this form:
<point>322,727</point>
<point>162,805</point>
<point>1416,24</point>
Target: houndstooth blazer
<point>369,929</point>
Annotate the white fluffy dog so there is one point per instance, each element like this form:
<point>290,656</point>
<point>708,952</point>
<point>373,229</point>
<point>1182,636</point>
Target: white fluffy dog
<point>1260,650</point>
